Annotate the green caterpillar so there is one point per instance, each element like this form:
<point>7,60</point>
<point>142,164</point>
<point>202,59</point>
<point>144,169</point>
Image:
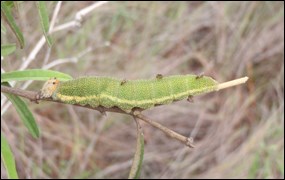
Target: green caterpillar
<point>126,95</point>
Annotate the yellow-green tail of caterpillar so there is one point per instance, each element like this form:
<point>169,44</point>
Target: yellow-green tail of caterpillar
<point>126,95</point>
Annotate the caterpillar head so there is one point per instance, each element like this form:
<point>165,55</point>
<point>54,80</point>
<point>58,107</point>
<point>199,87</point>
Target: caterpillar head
<point>49,88</point>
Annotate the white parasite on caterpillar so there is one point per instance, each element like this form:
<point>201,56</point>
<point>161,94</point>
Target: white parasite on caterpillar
<point>126,95</point>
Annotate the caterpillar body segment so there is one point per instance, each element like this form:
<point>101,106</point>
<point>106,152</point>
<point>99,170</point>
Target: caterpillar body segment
<point>144,94</point>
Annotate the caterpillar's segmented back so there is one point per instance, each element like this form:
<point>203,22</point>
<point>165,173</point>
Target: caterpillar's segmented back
<point>126,95</point>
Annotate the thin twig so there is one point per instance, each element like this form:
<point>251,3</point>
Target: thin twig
<point>54,16</point>
<point>31,95</point>
<point>187,141</point>
<point>78,17</point>
<point>232,83</point>
<point>89,9</point>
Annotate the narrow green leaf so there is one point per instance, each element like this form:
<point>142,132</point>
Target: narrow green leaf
<point>138,157</point>
<point>8,159</point>
<point>11,22</point>
<point>7,49</point>
<point>24,113</point>
<point>44,19</point>
<point>3,29</point>
<point>9,4</point>
<point>33,74</point>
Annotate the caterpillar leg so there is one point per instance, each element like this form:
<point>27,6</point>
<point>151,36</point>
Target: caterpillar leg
<point>136,111</point>
<point>124,81</point>
<point>159,76</point>
<point>102,111</point>
<point>200,75</point>
<point>190,99</point>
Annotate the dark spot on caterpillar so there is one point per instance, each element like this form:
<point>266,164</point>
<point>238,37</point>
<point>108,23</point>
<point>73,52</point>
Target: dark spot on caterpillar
<point>123,82</point>
<point>200,76</point>
<point>159,76</point>
<point>190,99</point>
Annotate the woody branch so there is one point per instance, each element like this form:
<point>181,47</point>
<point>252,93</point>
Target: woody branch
<point>33,96</point>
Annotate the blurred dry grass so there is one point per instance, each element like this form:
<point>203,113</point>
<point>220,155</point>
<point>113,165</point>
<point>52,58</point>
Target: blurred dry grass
<point>239,132</point>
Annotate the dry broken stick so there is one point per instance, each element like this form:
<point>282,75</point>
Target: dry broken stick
<point>33,96</point>
<point>187,141</point>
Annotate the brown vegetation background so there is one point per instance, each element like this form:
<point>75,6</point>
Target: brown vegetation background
<point>238,132</point>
